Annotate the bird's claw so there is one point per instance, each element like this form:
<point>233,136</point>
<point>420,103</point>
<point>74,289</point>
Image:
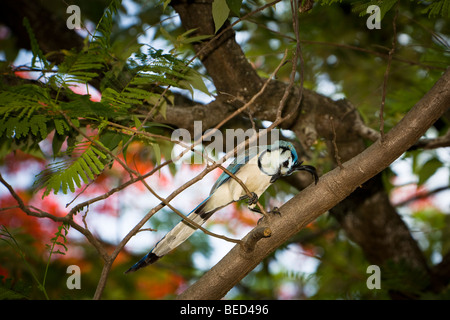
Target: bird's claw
<point>275,210</point>
<point>253,199</point>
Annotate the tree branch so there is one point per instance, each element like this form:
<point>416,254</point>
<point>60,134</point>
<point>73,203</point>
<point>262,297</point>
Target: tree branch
<point>36,212</point>
<point>331,189</point>
<point>254,236</point>
<point>12,14</point>
<point>427,144</point>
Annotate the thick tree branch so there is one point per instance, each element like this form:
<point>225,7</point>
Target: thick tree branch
<point>12,14</point>
<point>234,75</point>
<point>372,222</point>
<point>331,189</point>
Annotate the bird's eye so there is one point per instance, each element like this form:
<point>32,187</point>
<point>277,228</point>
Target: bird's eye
<point>286,163</point>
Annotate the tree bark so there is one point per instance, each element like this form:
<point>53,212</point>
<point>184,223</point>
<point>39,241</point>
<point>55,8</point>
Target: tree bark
<point>50,31</point>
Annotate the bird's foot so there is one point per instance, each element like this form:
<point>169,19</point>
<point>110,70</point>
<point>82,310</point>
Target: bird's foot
<point>275,211</point>
<point>253,199</point>
<point>260,212</point>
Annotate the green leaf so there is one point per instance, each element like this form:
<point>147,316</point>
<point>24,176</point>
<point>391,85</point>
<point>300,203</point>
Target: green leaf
<point>57,143</point>
<point>86,168</point>
<point>37,53</point>
<point>235,6</point>
<point>428,169</point>
<point>157,151</point>
<point>79,169</point>
<point>166,34</point>
<point>98,152</point>
<point>90,158</point>
<point>11,290</point>
<point>165,4</point>
<point>75,175</point>
<point>195,39</point>
<point>61,126</point>
<point>65,175</point>
<point>38,124</point>
<point>220,12</point>
<point>137,122</point>
<point>76,122</point>
<point>111,139</point>
<point>196,80</point>
<point>385,6</point>
<point>435,8</point>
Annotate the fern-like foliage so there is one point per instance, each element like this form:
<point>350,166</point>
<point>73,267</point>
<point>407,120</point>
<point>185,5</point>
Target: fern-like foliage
<point>438,7</point>
<point>32,110</point>
<point>78,68</point>
<point>19,115</point>
<point>37,53</point>
<point>102,34</point>
<point>432,8</point>
<point>385,6</point>
<point>329,2</point>
<point>64,175</point>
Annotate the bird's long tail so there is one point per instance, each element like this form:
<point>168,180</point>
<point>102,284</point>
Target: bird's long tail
<point>175,237</point>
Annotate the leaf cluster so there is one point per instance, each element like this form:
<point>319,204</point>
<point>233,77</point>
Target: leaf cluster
<point>432,8</point>
<point>82,142</point>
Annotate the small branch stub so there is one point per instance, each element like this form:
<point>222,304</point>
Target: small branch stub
<point>256,234</point>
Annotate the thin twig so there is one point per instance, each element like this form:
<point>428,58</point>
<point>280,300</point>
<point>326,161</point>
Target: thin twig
<point>36,212</point>
<point>386,74</point>
<point>79,194</point>
<point>137,174</point>
<point>187,219</point>
<point>336,151</point>
<point>419,196</point>
<point>146,229</point>
<point>438,142</point>
<point>297,54</point>
<point>248,193</point>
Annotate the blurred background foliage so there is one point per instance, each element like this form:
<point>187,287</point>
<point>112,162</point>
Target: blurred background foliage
<point>342,59</point>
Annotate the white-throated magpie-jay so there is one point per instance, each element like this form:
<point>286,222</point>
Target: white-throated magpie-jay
<point>261,167</point>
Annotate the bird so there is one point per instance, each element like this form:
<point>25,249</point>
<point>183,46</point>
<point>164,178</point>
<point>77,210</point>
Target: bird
<point>257,169</point>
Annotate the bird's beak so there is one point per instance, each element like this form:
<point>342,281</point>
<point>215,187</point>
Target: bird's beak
<point>298,167</point>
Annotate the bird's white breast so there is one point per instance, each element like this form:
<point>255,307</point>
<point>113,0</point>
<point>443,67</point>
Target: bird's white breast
<point>255,181</point>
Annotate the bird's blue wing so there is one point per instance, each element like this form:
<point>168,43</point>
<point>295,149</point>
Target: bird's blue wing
<point>233,167</point>
<point>224,177</point>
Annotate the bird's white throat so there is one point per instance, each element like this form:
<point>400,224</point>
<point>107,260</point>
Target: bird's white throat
<point>275,161</point>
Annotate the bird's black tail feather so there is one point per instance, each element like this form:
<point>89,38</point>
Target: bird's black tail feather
<point>175,237</point>
<point>145,261</point>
